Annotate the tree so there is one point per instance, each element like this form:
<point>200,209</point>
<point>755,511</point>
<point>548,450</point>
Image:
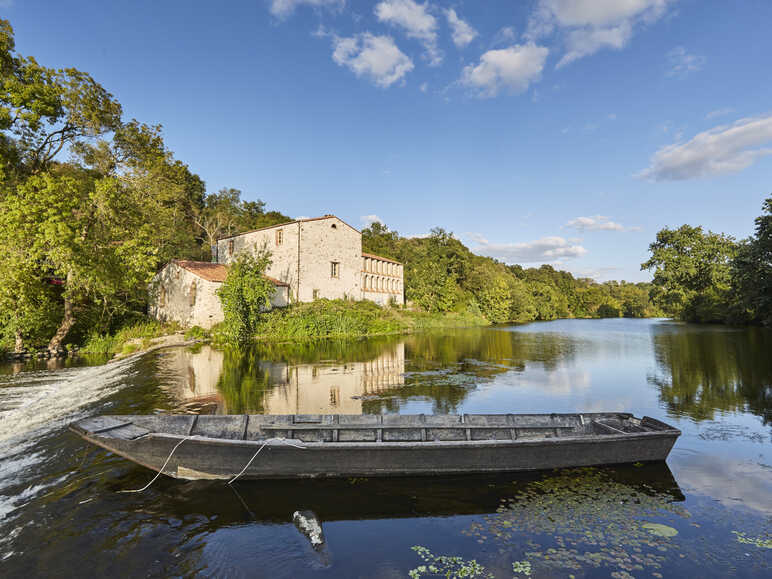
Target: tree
<point>692,272</point>
<point>42,110</point>
<point>752,271</point>
<point>244,294</point>
<point>224,213</point>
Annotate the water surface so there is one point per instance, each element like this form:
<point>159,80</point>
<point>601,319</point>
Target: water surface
<point>60,512</point>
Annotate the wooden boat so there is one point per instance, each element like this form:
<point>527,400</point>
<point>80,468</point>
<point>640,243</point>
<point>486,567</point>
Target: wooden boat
<point>306,446</point>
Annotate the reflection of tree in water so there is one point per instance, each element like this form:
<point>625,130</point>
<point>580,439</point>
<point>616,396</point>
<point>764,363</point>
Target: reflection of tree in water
<point>445,368</point>
<point>342,351</point>
<point>243,382</point>
<point>709,369</point>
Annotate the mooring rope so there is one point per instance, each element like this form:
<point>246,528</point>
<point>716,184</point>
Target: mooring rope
<point>243,470</point>
<point>161,471</point>
<point>254,456</point>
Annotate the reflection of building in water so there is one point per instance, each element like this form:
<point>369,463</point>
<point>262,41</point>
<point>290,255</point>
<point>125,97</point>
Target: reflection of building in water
<point>333,388</point>
<point>195,374</point>
<point>321,388</point>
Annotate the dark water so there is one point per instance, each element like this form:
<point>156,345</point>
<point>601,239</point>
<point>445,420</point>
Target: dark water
<point>61,514</point>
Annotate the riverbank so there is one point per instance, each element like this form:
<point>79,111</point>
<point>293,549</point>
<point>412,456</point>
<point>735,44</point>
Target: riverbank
<point>346,319</point>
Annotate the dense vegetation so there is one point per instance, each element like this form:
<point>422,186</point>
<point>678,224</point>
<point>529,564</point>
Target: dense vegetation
<point>709,277</point>
<point>90,206</point>
<point>443,275</point>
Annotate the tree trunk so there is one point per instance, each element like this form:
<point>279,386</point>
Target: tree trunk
<point>19,345</point>
<point>67,322</point>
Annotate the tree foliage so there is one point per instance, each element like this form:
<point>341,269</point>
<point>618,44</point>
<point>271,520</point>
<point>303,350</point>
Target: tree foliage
<point>442,275</point>
<point>90,205</point>
<point>709,277</point>
<point>245,294</point>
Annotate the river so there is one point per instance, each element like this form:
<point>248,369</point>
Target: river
<point>707,512</point>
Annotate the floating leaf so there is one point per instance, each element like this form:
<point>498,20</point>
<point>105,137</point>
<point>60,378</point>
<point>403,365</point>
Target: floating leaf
<point>660,530</point>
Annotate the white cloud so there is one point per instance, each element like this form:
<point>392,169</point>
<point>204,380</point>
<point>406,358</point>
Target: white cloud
<point>718,151</point>
<point>424,87</point>
<point>513,69</point>
<point>545,250</point>
<point>719,113</point>
<point>375,57</point>
<point>598,223</point>
<point>505,36</point>
<point>415,20</point>
<point>596,273</point>
<point>462,31</point>
<point>283,8</point>
<point>368,220</point>
<point>681,63</point>
<point>588,26</point>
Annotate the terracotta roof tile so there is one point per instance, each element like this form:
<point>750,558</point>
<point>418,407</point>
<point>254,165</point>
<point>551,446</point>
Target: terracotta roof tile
<point>216,272</point>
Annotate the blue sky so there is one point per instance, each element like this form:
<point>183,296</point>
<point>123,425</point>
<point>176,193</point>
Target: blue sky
<point>559,131</point>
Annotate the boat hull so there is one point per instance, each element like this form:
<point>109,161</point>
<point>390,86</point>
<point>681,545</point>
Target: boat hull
<point>204,457</point>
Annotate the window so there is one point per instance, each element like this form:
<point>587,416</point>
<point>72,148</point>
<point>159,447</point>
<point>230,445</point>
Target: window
<point>230,247</point>
<point>279,236</point>
<point>316,294</point>
<point>192,294</point>
<point>334,226</point>
<point>334,269</point>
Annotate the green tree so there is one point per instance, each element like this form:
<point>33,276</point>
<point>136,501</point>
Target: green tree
<point>692,272</point>
<point>752,271</point>
<point>245,294</point>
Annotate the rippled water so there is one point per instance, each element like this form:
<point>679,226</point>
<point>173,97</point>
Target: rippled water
<point>61,514</point>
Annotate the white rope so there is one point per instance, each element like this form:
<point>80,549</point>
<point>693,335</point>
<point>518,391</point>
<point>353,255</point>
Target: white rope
<point>243,470</point>
<point>161,471</point>
<point>254,456</point>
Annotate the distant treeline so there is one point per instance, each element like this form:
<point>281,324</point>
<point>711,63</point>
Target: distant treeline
<point>710,277</point>
<point>443,275</point>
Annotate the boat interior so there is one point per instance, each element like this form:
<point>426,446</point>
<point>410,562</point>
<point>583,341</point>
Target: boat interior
<point>373,428</point>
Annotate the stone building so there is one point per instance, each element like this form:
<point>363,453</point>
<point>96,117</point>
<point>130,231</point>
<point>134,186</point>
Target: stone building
<point>310,259</point>
<point>184,292</point>
<point>321,258</point>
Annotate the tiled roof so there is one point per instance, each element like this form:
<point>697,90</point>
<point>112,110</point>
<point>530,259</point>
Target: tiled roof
<point>371,256</point>
<point>216,272</point>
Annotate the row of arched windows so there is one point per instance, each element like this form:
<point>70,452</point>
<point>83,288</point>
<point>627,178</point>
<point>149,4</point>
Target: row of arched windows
<point>376,283</point>
<point>383,267</point>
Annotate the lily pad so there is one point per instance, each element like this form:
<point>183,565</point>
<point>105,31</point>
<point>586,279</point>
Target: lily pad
<point>660,530</point>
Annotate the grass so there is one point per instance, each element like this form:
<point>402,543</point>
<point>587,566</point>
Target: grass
<point>128,339</point>
<point>347,319</point>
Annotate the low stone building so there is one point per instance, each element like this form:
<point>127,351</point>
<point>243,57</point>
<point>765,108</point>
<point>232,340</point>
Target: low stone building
<point>310,259</point>
<point>185,292</point>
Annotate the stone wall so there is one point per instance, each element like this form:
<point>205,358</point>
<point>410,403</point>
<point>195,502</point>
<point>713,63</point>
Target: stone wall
<point>382,280</point>
<point>284,255</point>
<point>172,298</point>
<point>322,243</point>
<point>179,295</point>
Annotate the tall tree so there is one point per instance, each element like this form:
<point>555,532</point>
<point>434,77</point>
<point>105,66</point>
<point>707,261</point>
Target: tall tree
<point>752,271</point>
<point>692,272</point>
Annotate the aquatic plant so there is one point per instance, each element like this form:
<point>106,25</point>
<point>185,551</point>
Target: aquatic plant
<point>446,566</point>
<point>586,519</point>
<point>761,543</point>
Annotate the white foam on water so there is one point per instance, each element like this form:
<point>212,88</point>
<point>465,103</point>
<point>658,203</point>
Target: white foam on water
<point>35,404</point>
